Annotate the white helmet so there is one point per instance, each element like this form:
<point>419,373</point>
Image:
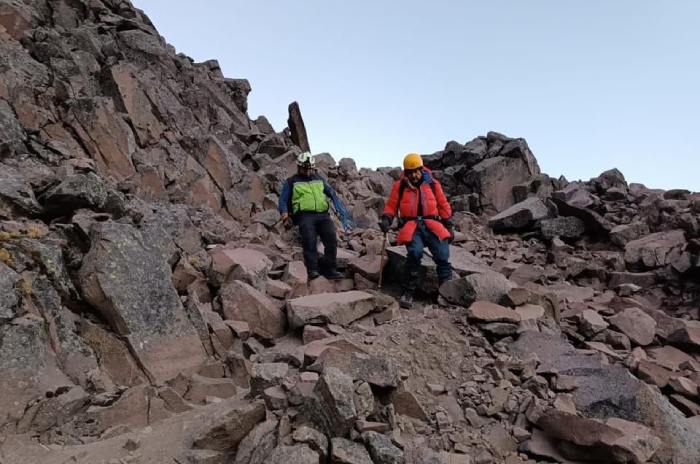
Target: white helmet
<point>305,159</point>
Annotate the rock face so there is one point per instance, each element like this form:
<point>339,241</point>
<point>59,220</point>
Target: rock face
<point>128,281</point>
<point>146,282</point>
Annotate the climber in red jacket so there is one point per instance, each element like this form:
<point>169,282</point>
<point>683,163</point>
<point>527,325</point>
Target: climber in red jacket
<point>425,219</point>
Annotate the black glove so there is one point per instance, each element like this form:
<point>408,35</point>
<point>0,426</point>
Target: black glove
<point>450,226</point>
<point>385,223</point>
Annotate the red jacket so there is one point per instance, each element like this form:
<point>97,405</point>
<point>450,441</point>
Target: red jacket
<point>435,205</point>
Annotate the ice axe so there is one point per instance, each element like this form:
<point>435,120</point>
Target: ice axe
<point>381,261</point>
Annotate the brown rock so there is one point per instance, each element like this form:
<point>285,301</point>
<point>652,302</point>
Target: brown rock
<point>312,333</point>
<point>334,308</point>
<point>590,322</point>
<point>202,387</point>
<point>242,302</point>
<point>688,335</point>
<point>655,250</point>
<point>295,276</point>
<point>684,386</point>
<point>250,266</point>
<point>233,421</point>
<point>636,324</point>
<point>407,404</point>
<point>348,452</point>
<point>653,373</point>
<point>278,289</point>
<point>484,311</point>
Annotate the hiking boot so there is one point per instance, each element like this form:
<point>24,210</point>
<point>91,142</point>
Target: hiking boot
<point>333,275</point>
<point>313,275</point>
<point>406,300</point>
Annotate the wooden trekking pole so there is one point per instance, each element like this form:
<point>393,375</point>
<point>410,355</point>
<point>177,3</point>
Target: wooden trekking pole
<point>381,261</point>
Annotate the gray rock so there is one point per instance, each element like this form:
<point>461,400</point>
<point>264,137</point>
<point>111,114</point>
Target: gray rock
<point>606,391</point>
<point>257,446</point>
<point>624,233</point>
<point>331,407</point>
<point>520,216</point>
<point>563,227</point>
<point>9,298</point>
<point>486,286</point>
<point>381,449</point>
<point>16,195</point>
<point>329,308</point>
<point>297,454</point>
<point>655,250</point>
<point>130,284</point>
<point>231,424</point>
<point>348,452</point>
<point>26,359</point>
<point>312,438</point>
<point>375,370</point>
<point>81,191</point>
<point>596,225</point>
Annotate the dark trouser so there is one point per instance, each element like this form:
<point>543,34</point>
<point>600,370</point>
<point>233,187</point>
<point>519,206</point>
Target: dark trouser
<point>310,226</point>
<point>440,250</point>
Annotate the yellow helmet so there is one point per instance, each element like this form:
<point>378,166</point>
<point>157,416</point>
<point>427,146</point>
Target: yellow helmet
<point>412,161</point>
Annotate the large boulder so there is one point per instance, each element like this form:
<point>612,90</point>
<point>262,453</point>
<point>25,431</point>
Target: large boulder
<point>332,406</point>
<point>26,360</point>
<point>487,286</point>
<point>655,250</point>
<point>463,262</point>
<point>129,282</point>
<point>329,308</point>
<point>520,216</point>
<point>233,263</point>
<point>16,195</point>
<point>242,302</point>
<point>609,391</point>
<point>233,422</point>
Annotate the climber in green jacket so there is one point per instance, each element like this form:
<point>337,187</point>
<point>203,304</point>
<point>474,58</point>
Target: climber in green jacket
<point>304,202</point>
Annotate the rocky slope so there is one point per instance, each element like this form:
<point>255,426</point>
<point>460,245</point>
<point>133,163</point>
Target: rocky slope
<point>153,309</point>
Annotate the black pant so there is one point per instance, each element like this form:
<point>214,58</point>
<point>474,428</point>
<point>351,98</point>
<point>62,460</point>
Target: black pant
<point>310,226</point>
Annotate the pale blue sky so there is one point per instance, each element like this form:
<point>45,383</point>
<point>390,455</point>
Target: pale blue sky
<point>591,84</point>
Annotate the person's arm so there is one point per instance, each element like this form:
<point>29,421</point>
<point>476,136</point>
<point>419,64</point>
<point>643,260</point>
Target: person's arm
<point>444,208</point>
<point>331,193</point>
<point>391,206</point>
<point>285,198</point>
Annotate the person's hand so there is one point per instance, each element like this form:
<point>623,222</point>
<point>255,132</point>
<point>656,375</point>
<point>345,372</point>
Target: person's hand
<point>450,226</point>
<point>385,223</point>
<point>286,221</point>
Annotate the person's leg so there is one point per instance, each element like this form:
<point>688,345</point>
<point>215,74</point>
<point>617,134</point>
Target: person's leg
<point>440,250</point>
<point>326,230</point>
<point>307,230</point>
<point>412,270</point>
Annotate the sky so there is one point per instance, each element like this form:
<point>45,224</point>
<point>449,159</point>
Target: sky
<point>590,84</point>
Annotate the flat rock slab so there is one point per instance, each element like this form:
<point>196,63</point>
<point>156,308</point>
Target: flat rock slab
<point>329,308</point>
<point>463,263</point>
